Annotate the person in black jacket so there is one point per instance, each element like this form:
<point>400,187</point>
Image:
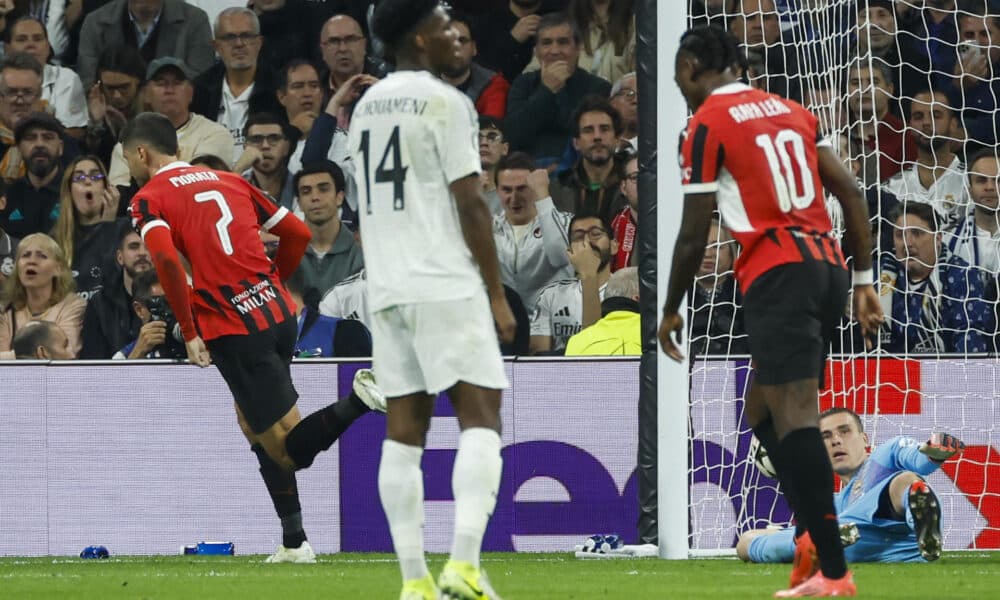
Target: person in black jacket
<point>110,322</point>
<point>235,87</point>
<point>506,36</point>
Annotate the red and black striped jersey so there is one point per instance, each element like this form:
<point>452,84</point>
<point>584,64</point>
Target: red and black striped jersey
<point>758,153</point>
<point>214,219</point>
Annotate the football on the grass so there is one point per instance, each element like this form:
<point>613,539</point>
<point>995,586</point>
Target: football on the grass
<point>760,458</point>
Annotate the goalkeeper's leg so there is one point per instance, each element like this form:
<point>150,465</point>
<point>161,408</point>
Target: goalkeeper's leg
<point>915,501</point>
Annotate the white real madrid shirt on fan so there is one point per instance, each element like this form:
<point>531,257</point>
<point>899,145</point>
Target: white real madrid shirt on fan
<point>411,136</point>
<point>949,194</point>
<point>559,312</point>
<point>348,300</point>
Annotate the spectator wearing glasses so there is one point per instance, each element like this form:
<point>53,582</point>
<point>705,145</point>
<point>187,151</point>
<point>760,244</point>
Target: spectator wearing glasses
<point>591,186</point>
<point>33,200</point>
<point>234,87</point>
<point>86,228</point>
<point>156,28</point>
<point>625,225</point>
<point>567,306</point>
<point>492,147</point>
<point>487,89</point>
<point>343,45</point>
<point>61,87</point>
<point>625,100</point>
<point>20,95</point>
<point>269,141</point>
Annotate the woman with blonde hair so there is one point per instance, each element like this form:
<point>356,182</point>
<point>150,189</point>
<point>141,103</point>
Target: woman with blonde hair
<point>40,289</point>
<point>86,229</point>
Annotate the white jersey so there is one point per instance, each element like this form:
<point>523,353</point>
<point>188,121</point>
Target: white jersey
<point>949,195</point>
<point>977,246</point>
<point>411,136</point>
<point>559,312</point>
<point>348,300</point>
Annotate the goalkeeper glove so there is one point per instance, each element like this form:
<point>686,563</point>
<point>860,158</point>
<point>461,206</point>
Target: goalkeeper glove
<point>942,446</point>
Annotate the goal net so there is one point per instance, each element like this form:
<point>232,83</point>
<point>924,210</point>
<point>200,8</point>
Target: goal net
<point>906,102</point>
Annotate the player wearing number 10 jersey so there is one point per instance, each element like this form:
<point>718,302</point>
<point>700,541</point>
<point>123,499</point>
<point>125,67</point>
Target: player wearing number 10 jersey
<point>759,159</point>
<point>433,281</point>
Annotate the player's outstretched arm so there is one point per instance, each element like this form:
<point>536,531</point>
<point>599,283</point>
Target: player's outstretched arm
<point>688,252</point>
<point>941,446</point>
<point>476,224</point>
<point>842,184</point>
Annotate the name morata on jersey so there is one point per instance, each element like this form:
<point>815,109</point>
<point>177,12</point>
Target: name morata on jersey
<point>215,220</point>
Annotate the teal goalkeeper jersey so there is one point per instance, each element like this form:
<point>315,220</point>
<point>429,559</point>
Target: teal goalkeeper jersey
<point>882,540</point>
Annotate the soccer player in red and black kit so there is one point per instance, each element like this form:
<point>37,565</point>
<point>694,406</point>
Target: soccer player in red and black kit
<point>245,317</point>
<point>761,160</point>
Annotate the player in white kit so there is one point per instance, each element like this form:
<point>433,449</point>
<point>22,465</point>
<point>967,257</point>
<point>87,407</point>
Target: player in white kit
<point>434,289</point>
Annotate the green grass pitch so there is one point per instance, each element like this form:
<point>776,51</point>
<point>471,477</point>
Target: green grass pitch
<point>966,575</point>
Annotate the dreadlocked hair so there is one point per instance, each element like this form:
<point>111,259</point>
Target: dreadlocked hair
<point>715,49</point>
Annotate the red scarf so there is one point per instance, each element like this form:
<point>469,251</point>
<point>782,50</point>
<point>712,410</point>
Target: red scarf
<point>623,228</point>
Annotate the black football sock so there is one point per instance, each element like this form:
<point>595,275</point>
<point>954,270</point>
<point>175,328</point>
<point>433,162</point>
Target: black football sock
<point>320,430</point>
<point>284,492</point>
<point>768,438</point>
<point>812,474</point>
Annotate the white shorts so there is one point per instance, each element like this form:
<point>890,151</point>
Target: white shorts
<point>431,346</point>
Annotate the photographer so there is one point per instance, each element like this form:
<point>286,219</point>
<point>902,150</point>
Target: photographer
<point>158,336</point>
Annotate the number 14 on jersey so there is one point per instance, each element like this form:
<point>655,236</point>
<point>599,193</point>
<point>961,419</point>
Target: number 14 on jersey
<point>394,173</point>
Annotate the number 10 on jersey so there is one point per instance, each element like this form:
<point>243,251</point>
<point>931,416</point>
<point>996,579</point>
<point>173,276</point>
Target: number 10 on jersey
<point>783,171</point>
<point>395,174</point>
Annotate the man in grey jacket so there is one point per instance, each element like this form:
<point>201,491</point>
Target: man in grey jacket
<point>156,28</point>
<point>530,234</point>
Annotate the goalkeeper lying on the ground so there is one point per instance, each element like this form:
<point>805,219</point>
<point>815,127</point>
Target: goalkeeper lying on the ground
<point>896,512</point>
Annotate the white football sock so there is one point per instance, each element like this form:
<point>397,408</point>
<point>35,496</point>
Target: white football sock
<point>401,487</point>
<point>475,481</point>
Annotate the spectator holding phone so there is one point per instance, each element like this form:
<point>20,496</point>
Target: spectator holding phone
<point>975,82</point>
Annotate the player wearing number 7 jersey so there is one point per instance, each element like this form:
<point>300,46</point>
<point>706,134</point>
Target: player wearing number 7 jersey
<point>242,309</point>
<point>433,282</point>
<point>759,158</point>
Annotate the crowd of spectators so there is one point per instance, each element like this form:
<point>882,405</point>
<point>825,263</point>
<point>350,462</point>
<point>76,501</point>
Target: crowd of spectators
<point>907,91</point>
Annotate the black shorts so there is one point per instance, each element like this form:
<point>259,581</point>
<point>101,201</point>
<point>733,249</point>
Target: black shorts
<point>791,314</point>
<point>256,368</point>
